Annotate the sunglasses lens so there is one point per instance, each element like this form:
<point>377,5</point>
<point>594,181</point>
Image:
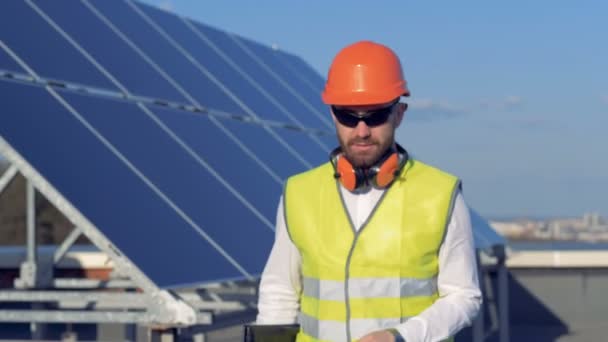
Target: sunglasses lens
<point>378,118</point>
<point>345,118</point>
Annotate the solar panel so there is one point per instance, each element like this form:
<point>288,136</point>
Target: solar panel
<point>249,62</point>
<point>265,147</point>
<point>43,48</point>
<point>109,50</point>
<point>308,82</point>
<point>201,86</point>
<point>191,77</point>
<point>312,112</point>
<point>120,202</point>
<point>312,153</point>
<point>7,63</point>
<point>226,158</point>
<point>200,193</point>
<point>263,96</point>
<point>329,140</point>
<point>227,71</point>
<point>305,73</point>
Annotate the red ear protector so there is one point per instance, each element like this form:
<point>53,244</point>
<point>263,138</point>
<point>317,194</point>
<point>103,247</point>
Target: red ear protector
<point>379,175</point>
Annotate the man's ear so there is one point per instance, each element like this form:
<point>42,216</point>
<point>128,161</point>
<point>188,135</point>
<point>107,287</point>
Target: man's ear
<point>402,107</point>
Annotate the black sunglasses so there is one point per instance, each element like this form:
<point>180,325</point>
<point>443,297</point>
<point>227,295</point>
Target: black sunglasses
<point>371,118</point>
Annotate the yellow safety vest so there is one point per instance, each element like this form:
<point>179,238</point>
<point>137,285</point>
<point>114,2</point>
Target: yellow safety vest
<point>356,282</point>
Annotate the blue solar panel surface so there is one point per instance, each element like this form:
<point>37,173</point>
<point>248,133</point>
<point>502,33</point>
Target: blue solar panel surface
<point>311,152</point>
<point>8,63</point>
<point>246,57</point>
<point>308,117</point>
<point>226,158</point>
<point>187,74</point>
<point>135,218</point>
<point>269,104</point>
<point>308,83</point>
<point>206,86</point>
<point>329,140</point>
<point>266,148</point>
<point>40,46</point>
<point>308,75</point>
<point>109,50</point>
<point>181,178</point>
<point>246,87</point>
<point>236,80</point>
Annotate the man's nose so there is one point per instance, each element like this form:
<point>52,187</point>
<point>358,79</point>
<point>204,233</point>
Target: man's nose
<point>362,129</point>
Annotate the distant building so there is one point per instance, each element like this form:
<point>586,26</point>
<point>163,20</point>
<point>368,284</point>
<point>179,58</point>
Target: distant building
<point>590,227</point>
<point>509,229</point>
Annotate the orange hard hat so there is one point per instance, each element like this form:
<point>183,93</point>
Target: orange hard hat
<point>364,73</point>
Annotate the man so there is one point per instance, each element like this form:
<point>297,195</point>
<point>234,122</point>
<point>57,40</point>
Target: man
<point>374,245</point>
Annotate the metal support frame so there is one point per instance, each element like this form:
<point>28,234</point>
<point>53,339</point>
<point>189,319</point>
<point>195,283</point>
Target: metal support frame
<point>479,322</point>
<point>203,309</point>
<point>503,294</point>
<point>151,306</point>
<point>7,177</point>
<point>77,283</point>
<point>494,285</point>
<point>28,269</point>
<point>66,244</point>
<point>164,335</point>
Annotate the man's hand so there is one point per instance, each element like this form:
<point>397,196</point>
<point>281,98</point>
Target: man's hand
<point>378,336</point>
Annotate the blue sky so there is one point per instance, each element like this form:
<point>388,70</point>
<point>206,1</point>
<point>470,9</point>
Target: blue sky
<point>510,96</point>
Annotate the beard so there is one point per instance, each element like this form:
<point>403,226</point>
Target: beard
<point>365,159</point>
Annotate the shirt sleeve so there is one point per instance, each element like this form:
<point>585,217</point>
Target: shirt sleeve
<point>459,295</point>
<point>281,282</point>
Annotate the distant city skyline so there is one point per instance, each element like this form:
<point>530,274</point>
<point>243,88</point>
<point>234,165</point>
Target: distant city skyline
<point>589,228</point>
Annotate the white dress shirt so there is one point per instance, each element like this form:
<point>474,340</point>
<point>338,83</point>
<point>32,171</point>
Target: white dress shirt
<point>457,282</point>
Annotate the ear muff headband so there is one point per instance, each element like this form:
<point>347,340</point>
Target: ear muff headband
<point>380,175</point>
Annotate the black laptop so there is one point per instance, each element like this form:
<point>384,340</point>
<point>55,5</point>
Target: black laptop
<point>270,333</point>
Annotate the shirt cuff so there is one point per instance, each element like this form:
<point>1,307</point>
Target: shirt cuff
<point>414,329</point>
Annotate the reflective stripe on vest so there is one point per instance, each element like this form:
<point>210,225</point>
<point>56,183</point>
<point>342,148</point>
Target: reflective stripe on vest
<point>354,281</point>
<point>369,288</point>
<point>324,330</point>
